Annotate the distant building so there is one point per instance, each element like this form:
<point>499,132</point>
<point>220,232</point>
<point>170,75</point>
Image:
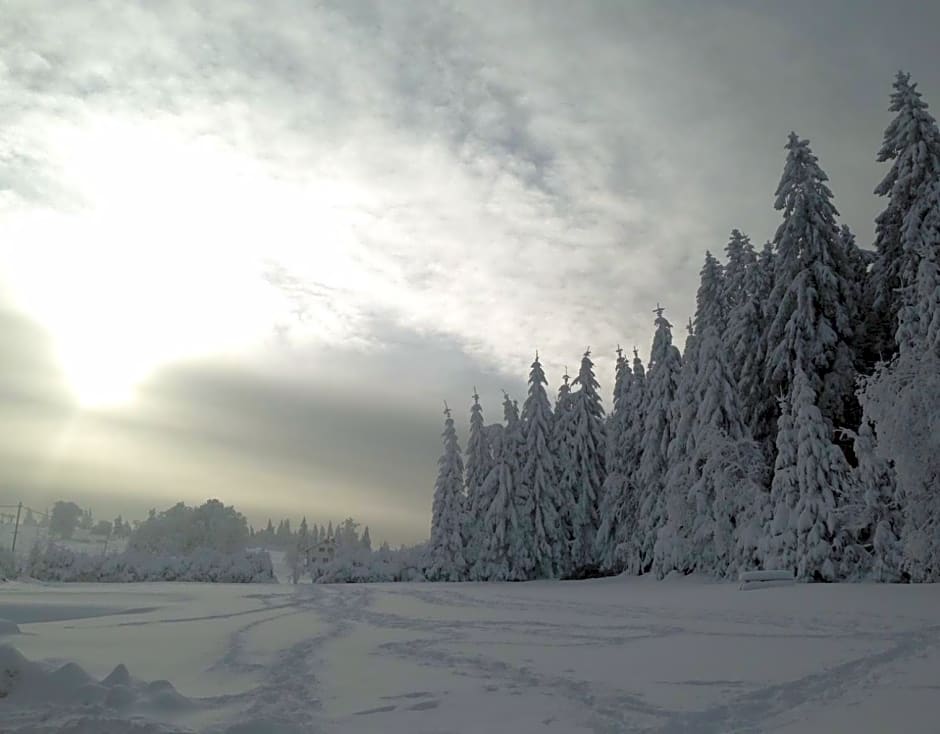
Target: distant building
<point>322,553</point>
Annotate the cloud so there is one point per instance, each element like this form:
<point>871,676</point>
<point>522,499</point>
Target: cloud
<point>289,434</point>
<point>424,192</point>
<point>445,185</point>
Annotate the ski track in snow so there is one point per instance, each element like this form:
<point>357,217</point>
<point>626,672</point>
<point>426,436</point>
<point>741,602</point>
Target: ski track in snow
<point>479,636</point>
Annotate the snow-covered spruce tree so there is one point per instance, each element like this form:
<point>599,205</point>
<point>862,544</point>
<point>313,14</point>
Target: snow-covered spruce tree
<point>725,495</point>
<point>747,286</point>
<point>779,541</point>
<point>912,143</point>
<point>824,477</point>
<point>871,516</point>
<point>812,302</point>
<point>614,508</point>
<point>522,539</point>
<point>710,306</point>
<point>588,448</point>
<point>621,368</point>
<point>627,549</point>
<point>539,477</point>
<point>479,465</point>
<point>565,470</point>
<point>919,315</point>
<point>445,548</point>
<point>859,261</point>
<point>714,468</point>
<point>659,431</point>
<point>741,259</point>
<point>505,553</point>
<point>671,551</point>
<point>811,477</point>
<point>902,399</point>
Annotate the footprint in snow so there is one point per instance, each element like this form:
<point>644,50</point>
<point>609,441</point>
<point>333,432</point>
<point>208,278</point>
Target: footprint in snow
<point>416,694</point>
<point>379,710</point>
<point>424,705</point>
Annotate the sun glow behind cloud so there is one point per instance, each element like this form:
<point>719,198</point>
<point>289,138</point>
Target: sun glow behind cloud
<point>331,177</point>
<point>161,259</point>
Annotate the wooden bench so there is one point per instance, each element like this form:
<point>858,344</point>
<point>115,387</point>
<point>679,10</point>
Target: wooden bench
<point>765,579</point>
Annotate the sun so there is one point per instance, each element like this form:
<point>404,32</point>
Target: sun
<point>161,256</point>
<point>99,384</point>
<point>102,369</point>
<point>144,269</point>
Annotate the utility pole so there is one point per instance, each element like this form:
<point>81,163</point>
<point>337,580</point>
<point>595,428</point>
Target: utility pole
<point>19,508</point>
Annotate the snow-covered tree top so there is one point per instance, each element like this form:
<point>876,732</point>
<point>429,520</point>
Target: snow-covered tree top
<point>639,372</point>
<point>710,307</point>
<point>620,370</point>
<point>536,411</point>
<point>741,261</point>
<point>510,411</point>
<point>911,140</point>
<point>449,436</point>
<point>585,376</point>
<point>808,233</point>
<point>662,339</point>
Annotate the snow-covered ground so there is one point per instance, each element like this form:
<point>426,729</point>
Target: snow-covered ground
<point>613,655</point>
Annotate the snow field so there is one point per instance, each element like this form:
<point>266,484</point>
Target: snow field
<point>612,655</point>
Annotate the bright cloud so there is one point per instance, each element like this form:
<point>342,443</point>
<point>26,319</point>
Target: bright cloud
<point>404,170</point>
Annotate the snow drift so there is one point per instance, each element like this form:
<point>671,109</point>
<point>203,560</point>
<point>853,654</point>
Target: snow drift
<point>118,702</point>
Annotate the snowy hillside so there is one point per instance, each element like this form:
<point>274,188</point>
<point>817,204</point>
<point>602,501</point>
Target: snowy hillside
<point>614,655</point>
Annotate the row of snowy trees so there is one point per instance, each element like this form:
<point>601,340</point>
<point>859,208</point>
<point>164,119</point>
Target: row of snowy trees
<point>352,558</point>
<point>799,428</point>
<point>284,537</point>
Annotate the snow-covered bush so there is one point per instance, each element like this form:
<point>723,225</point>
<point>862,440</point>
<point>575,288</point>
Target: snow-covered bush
<point>57,563</point>
<point>180,530</point>
<point>901,400</point>
<point>359,565</point>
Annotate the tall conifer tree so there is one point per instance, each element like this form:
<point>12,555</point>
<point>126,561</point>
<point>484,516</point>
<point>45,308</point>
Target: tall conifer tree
<point>565,469</point>
<point>445,548</point>
<point>614,504</point>
<point>912,144</point>
<point>539,477</point>
<point>588,458</point>
<point>812,303</point>
<point>479,465</point>
<point>505,551</point>
<point>662,385</point>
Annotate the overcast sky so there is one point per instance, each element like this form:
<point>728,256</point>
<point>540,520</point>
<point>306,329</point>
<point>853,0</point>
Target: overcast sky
<point>247,249</point>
